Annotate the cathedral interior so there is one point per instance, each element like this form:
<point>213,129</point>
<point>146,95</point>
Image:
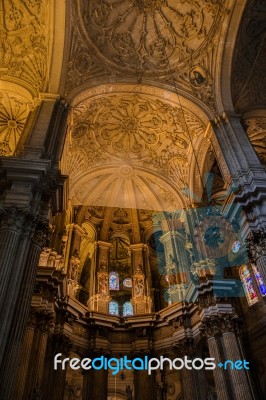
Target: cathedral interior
<point>132,196</point>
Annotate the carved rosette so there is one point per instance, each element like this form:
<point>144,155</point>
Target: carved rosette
<point>216,325</point>
<point>142,131</point>
<point>14,110</point>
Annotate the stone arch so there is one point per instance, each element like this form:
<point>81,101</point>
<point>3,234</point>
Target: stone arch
<point>225,59</point>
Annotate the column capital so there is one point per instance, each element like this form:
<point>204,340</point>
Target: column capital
<point>15,218</point>
<point>216,325</point>
<point>41,320</point>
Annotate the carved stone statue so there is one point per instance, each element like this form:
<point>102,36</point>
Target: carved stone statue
<point>103,281</point>
<point>139,287</point>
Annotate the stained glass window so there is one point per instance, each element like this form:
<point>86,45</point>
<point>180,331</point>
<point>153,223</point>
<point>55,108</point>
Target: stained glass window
<point>236,246</point>
<point>127,308</point>
<point>248,285</point>
<point>127,282</point>
<point>113,308</point>
<point>113,281</point>
<point>259,280</point>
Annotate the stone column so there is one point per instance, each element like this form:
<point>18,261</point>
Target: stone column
<point>53,382</point>
<point>144,385</point>
<point>240,165</point>
<point>191,384</point>
<point>25,357</point>
<point>27,240</point>
<point>232,351</point>
<point>231,384</point>
<point>95,385</point>
<point>257,251</point>
<point>44,322</point>
<point>211,329</point>
<point>220,377</point>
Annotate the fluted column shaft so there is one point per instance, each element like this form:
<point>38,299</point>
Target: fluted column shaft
<point>230,383</point>
<point>238,378</point>
<point>37,355</point>
<point>144,385</point>
<point>188,384</point>
<point>192,380</point>
<point>24,363</point>
<point>53,382</point>
<point>95,385</point>
<point>222,390</point>
<point>15,307</point>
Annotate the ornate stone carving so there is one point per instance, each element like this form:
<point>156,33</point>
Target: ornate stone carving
<point>146,133</point>
<point>42,234</point>
<point>12,218</point>
<point>24,42</point>
<point>132,126</point>
<point>219,324</point>
<point>257,245</point>
<point>256,130</point>
<point>50,258</point>
<point>160,39</point>
<point>145,34</point>
<point>14,110</point>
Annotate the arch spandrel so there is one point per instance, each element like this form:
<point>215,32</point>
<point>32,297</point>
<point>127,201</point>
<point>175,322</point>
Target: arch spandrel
<point>24,55</point>
<point>15,106</point>
<point>30,31</point>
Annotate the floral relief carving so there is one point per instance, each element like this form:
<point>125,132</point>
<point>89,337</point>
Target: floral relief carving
<point>147,33</point>
<point>13,114</point>
<point>24,42</point>
<point>117,141</point>
<point>134,126</point>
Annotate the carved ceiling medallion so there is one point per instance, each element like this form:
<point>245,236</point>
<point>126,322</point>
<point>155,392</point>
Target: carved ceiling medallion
<point>143,35</point>
<point>130,146</point>
<point>133,126</point>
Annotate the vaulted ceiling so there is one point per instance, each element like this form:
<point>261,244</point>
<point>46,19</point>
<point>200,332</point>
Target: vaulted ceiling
<point>137,75</point>
<point>133,146</point>
<point>160,42</point>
